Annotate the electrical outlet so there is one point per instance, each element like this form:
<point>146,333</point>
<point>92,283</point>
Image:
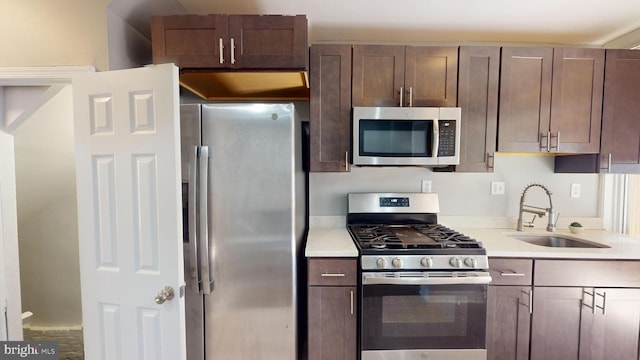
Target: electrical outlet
<point>497,188</point>
<point>575,190</point>
<point>425,186</point>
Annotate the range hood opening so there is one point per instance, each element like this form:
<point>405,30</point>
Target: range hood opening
<point>244,85</point>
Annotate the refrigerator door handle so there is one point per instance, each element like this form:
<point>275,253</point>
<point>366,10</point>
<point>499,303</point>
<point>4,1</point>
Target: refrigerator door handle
<point>193,220</point>
<point>206,268</point>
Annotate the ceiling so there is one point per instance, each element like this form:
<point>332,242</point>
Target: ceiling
<point>565,22</point>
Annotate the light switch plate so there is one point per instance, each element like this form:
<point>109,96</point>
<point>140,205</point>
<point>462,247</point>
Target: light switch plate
<point>575,190</point>
<point>425,186</point>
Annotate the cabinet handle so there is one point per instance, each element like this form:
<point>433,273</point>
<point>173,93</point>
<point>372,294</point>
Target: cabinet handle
<point>604,302</point>
<point>233,51</point>
<point>593,299</point>
<point>332,275</point>
<point>221,48</point>
<point>490,161</point>
<point>511,273</point>
<point>558,141</point>
<point>351,301</point>
<point>548,141</point>
<point>401,96</point>
<point>609,164</point>
<point>530,302</point>
<point>346,160</point>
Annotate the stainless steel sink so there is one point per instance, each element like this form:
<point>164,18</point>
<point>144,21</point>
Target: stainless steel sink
<point>558,241</point>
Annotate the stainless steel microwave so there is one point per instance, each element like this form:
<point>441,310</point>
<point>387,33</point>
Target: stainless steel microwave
<point>422,136</point>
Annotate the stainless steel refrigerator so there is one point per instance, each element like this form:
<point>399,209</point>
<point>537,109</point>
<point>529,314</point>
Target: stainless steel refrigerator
<point>244,220</point>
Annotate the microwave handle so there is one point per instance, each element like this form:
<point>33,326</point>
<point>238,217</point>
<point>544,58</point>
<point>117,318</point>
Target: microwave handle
<point>436,138</point>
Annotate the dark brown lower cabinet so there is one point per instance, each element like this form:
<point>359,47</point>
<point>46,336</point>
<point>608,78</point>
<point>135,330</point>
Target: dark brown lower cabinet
<point>332,309</point>
<point>508,321</point>
<point>616,325</point>
<point>332,323</point>
<point>580,309</point>
<point>556,323</point>
<point>585,323</point>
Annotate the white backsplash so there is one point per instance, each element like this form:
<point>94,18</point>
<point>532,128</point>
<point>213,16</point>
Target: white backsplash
<point>467,194</point>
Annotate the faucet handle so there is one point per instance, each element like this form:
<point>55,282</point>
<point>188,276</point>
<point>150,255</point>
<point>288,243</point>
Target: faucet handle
<point>530,223</point>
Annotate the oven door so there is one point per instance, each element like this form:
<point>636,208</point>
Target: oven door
<point>437,315</point>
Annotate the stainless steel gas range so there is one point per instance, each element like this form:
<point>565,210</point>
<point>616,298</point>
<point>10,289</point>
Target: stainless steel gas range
<point>423,292</point>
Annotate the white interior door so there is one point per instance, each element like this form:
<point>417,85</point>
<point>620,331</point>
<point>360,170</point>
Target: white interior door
<point>129,212</point>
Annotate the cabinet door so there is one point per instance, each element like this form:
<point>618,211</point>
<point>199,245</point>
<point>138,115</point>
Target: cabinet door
<point>378,75</point>
<point>525,99</point>
<point>556,322</point>
<point>616,329</point>
<point>478,85</point>
<point>431,76</point>
<point>268,42</point>
<point>576,102</point>
<point>330,107</point>
<point>621,106</point>
<point>332,323</point>
<point>508,320</point>
<point>189,41</point>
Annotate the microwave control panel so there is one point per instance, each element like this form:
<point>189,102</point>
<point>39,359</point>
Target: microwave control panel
<point>447,133</point>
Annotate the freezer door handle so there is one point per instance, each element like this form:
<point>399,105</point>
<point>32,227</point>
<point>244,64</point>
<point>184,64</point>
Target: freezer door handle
<point>193,220</point>
<point>206,268</point>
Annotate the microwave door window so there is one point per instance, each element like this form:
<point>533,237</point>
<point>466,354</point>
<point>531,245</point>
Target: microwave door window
<point>395,138</point>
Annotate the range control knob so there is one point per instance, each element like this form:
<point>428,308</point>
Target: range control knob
<point>397,263</point>
<point>381,263</point>
<point>455,262</point>
<point>471,262</point>
<point>426,262</point>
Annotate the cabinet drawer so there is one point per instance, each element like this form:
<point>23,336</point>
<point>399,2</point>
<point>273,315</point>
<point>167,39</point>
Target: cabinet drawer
<point>333,271</point>
<point>505,271</point>
<point>591,273</point>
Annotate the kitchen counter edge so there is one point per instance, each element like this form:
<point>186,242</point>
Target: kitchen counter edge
<point>337,242</point>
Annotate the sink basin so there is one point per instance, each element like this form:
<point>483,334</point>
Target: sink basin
<point>558,241</point>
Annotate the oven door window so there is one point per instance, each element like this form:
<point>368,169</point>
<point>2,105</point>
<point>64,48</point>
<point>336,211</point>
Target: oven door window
<point>423,317</point>
<point>395,138</point>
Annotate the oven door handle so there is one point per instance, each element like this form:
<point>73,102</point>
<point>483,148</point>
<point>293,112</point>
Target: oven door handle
<point>425,279</point>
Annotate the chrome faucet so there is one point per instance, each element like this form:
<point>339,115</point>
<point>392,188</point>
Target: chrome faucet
<point>551,225</point>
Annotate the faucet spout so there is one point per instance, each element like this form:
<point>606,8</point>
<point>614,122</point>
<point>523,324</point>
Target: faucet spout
<point>551,226</point>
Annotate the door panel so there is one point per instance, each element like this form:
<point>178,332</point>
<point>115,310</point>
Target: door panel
<point>251,312</point>
<point>616,334</point>
<point>576,104</point>
<point>525,98</point>
<point>378,75</point>
<point>129,201</point>
<point>431,76</point>
<point>556,323</point>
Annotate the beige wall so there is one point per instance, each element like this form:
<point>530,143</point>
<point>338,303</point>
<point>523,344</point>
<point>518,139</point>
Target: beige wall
<point>53,33</point>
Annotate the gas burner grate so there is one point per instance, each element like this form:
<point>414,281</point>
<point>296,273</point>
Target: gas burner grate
<point>428,236</point>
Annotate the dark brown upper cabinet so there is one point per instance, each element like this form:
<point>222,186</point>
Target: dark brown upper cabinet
<point>550,100</point>
<point>620,151</point>
<point>478,85</point>
<point>231,41</point>
<point>398,75</point>
<point>236,57</point>
<point>330,107</point>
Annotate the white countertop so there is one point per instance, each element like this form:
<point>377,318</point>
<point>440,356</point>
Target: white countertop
<point>330,242</point>
<point>499,244</point>
<point>336,242</point>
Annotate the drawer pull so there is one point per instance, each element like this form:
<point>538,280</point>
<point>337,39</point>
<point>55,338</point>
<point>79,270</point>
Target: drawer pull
<point>503,273</point>
<point>332,275</point>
